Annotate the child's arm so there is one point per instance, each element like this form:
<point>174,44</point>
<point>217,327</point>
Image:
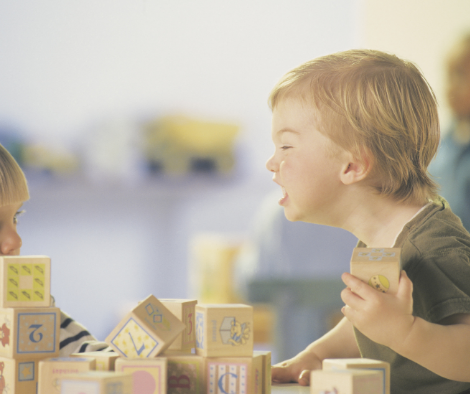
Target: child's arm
<point>387,319</point>
<point>337,343</point>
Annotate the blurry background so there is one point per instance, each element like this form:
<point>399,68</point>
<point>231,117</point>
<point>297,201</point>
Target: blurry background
<point>143,128</point>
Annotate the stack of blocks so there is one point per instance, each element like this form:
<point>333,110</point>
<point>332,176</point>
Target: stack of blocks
<point>224,339</point>
<point>29,326</point>
<point>179,347</point>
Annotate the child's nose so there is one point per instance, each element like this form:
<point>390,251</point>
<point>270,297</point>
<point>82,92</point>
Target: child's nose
<point>11,244</point>
<point>270,164</point>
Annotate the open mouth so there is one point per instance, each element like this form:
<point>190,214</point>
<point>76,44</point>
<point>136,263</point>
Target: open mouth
<point>284,196</point>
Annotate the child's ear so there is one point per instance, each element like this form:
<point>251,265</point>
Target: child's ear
<point>355,169</point>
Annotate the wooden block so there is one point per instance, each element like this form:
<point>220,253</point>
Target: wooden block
<point>149,373</point>
<point>104,360</point>
<point>18,376</point>
<point>361,363</point>
<point>29,332</point>
<point>184,310</point>
<point>185,374</point>
<point>52,369</point>
<point>25,281</point>
<point>234,375</point>
<point>348,381</point>
<point>146,331</point>
<point>224,330</point>
<point>97,382</point>
<point>379,267</point>
<point>266,370</point>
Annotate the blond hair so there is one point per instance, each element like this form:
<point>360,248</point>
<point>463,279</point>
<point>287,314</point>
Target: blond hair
<point>377,105</point>
<point>13,185</point>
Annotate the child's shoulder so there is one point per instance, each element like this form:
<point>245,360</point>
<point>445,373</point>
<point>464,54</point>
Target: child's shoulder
<point>436,231</point>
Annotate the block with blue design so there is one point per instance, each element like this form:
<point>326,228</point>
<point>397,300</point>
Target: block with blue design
<point>29,333</point>
<point>18,376</point>
<point>224,330</point>
<point>146,331</point>
<point>237,375</point>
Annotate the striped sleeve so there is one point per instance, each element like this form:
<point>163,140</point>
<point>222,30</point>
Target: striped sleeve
<point>75,338</point>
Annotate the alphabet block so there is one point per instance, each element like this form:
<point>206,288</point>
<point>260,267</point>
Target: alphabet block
<point>234,375</point>
<point>149,373</point>
<point>146,331</point>
<point>379,267</point>
<point>27,333</point>
<point>266,370</point>
<point>52,369</point>
<point>105,361</point>
<point>184,310</point>
<point>97,382</point>
<point>25,281</point>
<point>361,363</point>
<point>350,381</point>
<point>224,330</point>
<point>18,376</point>
<point>185,374</point>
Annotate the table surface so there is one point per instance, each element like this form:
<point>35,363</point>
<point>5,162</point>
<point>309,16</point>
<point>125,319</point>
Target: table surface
<point>289,388</point>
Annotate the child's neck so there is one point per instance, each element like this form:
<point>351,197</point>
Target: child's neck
<point>378,223</point>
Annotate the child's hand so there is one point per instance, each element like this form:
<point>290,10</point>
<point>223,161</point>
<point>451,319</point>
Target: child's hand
<point>296,369</point>
<point>385,319</point>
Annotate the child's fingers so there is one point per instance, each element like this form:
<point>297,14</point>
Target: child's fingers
<point>351,299</point>
<point>281,374</point>
<point>304,378</point>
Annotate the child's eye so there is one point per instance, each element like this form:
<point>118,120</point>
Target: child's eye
<point>17,215</point>
<point>285,147</point>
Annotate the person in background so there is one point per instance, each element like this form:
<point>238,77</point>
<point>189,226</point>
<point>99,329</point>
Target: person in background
<point>451,167</point>
<point>74,337</point>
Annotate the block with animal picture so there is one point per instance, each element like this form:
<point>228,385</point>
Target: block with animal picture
<point>185,373</point>
<point>51,370</point>
<point>235,375</point>
<point>97,382</point>
<point>224,330</point>
<point>150,374</point>
<point>361,363</point>
<point>18,376</point>
<point>184,310</point>
<point>25,281</point>
<point>379,267</point>
<point>146,331</point>
<point>29,332</point>
<point>104,360</point>
<point>348,381</point>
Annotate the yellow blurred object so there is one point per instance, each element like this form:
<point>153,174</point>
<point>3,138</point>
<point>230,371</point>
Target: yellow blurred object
<point>264,321</point>
<point>56,160</point>
<point>213,258</point>
<point>179,144</point>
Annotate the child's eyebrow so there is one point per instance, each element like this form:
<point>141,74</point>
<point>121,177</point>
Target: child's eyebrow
<point>286,130</point>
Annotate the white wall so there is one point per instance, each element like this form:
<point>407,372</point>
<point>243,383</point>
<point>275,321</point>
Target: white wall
<point>66,66</point>
<point>418,30</point>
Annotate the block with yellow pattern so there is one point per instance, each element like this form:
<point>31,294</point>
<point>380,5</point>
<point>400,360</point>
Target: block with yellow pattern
<point>25,281</point>
<point>378,267</point>
<point>146,331</point>
<point>18,376</point>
